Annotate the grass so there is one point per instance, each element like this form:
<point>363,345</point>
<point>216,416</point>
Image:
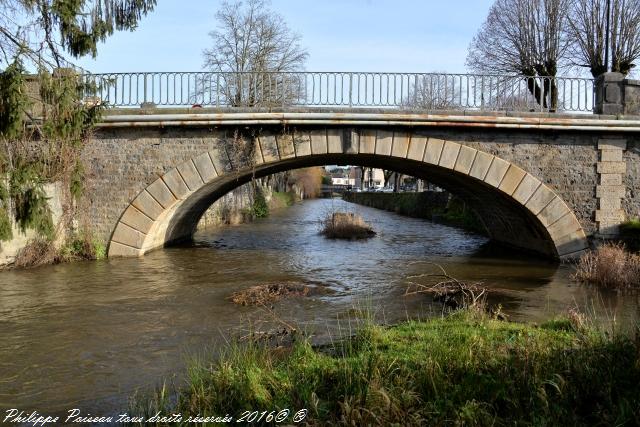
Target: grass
<point>463,369</point>
<point>609,266</point>
<point>345,225</point>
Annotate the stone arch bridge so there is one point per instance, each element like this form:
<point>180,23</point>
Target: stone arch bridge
<point>543,183</point>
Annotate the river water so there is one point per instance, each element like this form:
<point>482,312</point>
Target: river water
<point>87,335</point>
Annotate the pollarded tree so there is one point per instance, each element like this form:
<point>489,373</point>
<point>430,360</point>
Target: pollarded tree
<point>49,29</point>
<point>525,37</point>
<point>587,32</point>
<point>256,50</point>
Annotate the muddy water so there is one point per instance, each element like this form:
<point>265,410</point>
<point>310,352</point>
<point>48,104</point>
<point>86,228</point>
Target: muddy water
<point>86,335</point>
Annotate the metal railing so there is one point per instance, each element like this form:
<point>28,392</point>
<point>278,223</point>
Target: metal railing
<point>345,89</point>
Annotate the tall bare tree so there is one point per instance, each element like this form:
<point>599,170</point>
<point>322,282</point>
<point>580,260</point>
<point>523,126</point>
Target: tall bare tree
<point>587,32</point>
<point>256,50</point>
<point>525,37</point>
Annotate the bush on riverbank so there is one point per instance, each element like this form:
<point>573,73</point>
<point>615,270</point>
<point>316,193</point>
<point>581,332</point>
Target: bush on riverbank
<point>345,225</point>
<point>464,369</point>
<point>40,251</point>
<point>609,266</point>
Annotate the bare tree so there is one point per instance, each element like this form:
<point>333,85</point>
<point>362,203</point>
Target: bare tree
<point>434,91</point>
<point>525,37</point>
<point>587,32</point>
<point>256,51</point>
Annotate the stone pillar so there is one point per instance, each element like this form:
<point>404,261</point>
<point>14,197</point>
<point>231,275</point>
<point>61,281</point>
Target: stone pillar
<point>611,189</point>
<point>609,94</point>
<point>616,95</point>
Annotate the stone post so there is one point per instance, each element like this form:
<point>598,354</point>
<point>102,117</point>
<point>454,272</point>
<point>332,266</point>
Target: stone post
<point>616,95</point>
<point>609,94</point>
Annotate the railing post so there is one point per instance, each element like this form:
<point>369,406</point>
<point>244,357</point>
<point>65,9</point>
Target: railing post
<point>350,90</point>
<point>145,102</point>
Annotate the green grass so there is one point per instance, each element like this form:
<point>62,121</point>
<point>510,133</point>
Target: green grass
<point>464,369</point>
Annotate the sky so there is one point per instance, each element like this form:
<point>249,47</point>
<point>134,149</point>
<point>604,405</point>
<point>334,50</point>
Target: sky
<point>340,35</point>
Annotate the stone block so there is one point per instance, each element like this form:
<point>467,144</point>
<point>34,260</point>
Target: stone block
<point>302,141</point>
<point>285,146</point>
<point>465,159</point>
<point>117,250</point>
<point>572,246</point>
<point>553,212</point>
<point>609,228</point>
<point>220,159</point>
<point>384,142</point>
<point>565,225</point>
<point>612,167</point>
<point>481,165</point>
<point>400,144</point>
<point>161,193</point>
<point>337,143</point>
<point>176,184</point>
<point>611,155</point>
<point>146,204</point>
<point>610,191</point>
<point>368,142</point>
<point>512,179</point>
<point>137,220</point>
<point>603,215</point>
<point>318,141</point>
<point>205,166</point>
<point>433,151</point>
<point>610,203</point>
<point>449,154</point>
<point>128,236</point>
<point>610,179</point>
<point>496,172</point>
<point>269,148</point>
<point>540,199</point>
<point>417,146</point>
<point>612,144</point>
<point>527,187</point>
<point>190,175</point>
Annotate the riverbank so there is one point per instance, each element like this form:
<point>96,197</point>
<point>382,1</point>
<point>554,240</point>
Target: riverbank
<point>437,206</point>
<point>466,368</point>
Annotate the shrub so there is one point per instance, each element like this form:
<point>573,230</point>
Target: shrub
<point>609,266</point>
<point>345,225</point>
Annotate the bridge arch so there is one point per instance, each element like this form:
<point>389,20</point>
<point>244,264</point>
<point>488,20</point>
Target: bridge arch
<point>515,207</point>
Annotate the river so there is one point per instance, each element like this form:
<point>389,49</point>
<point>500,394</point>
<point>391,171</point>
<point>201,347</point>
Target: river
<point>88,334</point>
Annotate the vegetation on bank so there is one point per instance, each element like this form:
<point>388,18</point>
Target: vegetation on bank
<point>41,251</point>
<point>345,225</point>
<point>463,369</point>
<point>435,206</point>
<point>609,266</point>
